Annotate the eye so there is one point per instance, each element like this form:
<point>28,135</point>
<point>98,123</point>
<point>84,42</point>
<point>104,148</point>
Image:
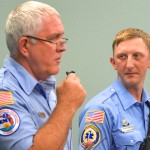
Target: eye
<point>55,38</point>
<point>122,56</point>
<point>136,56</point>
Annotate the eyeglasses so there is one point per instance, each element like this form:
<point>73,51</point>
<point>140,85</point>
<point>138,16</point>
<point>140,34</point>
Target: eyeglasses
<point>64,40</point>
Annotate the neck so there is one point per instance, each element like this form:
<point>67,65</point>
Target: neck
<point>136,93</point>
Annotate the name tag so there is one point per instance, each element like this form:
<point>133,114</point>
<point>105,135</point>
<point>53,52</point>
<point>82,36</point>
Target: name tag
<point>127,129</point>
<point>41,114</point>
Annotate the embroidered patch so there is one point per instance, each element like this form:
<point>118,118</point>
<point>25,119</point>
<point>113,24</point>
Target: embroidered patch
<point>90,132</point>
<point>95,116</point>
<point>6,98</point>
<point>9,121</point>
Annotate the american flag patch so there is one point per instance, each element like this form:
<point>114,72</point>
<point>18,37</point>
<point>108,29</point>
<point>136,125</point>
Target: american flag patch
<point>6,98</point>
<point>95,116</point>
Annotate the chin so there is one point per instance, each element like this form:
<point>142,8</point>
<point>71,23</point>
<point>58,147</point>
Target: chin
<point>54,72</point>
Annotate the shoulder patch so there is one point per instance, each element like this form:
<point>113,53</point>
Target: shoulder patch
<point>9,121</point>
<point>90,132</point>
<point>6,98</point>
<point>95,116</point>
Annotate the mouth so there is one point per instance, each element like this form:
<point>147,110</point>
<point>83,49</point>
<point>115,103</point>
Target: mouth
<point>58,60</point>
<point>130,74</point>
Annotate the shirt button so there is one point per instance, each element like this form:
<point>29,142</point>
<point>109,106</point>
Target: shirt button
<point>112,90</point>
<point>131,141</point>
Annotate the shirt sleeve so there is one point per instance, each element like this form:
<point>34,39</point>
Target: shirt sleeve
<point>17,126</point>
<point>94,123</point>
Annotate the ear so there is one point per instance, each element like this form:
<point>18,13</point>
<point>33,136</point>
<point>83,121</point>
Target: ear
<point>112,61</point>
<point>23,45</point>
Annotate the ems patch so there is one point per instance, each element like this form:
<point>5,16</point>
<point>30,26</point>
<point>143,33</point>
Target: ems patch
<point>6,98</point>
<point>90,132</point>
<point>95,116</point>
<point>9,122</point>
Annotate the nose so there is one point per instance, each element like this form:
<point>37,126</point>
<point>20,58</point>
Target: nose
<point>61,44</point>
<point>61,47</point>
<point>130,63</point>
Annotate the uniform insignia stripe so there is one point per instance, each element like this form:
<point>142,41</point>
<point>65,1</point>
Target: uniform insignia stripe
<point>6,98</point>
<point>95,116</point>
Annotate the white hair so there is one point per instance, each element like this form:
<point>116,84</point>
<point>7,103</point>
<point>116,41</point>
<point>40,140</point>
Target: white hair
<point>26,19</point>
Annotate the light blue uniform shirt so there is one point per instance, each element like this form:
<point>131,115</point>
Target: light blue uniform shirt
<point>114,120</point>
<point>30,109</point>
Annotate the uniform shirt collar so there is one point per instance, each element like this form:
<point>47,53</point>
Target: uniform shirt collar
<point>24,78</point>
<point>126,99</point>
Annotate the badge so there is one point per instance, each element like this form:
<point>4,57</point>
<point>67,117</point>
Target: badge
<point>41,114</point>
<point>90,132</point>
<point>126,127</point>
<point>124,122</point>
<point>9,121</point>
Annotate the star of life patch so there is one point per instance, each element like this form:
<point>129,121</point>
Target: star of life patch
<point>6,98</point>
<point>90,131</point>
<point>95,116</point>
<point>9,122</point>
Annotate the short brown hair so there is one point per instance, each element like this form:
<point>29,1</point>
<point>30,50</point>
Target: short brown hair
<point>131,33</point>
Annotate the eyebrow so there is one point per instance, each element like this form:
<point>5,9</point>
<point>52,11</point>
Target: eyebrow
<point>54,36</point>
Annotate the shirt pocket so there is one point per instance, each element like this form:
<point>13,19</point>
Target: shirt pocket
<point>125,140</point>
